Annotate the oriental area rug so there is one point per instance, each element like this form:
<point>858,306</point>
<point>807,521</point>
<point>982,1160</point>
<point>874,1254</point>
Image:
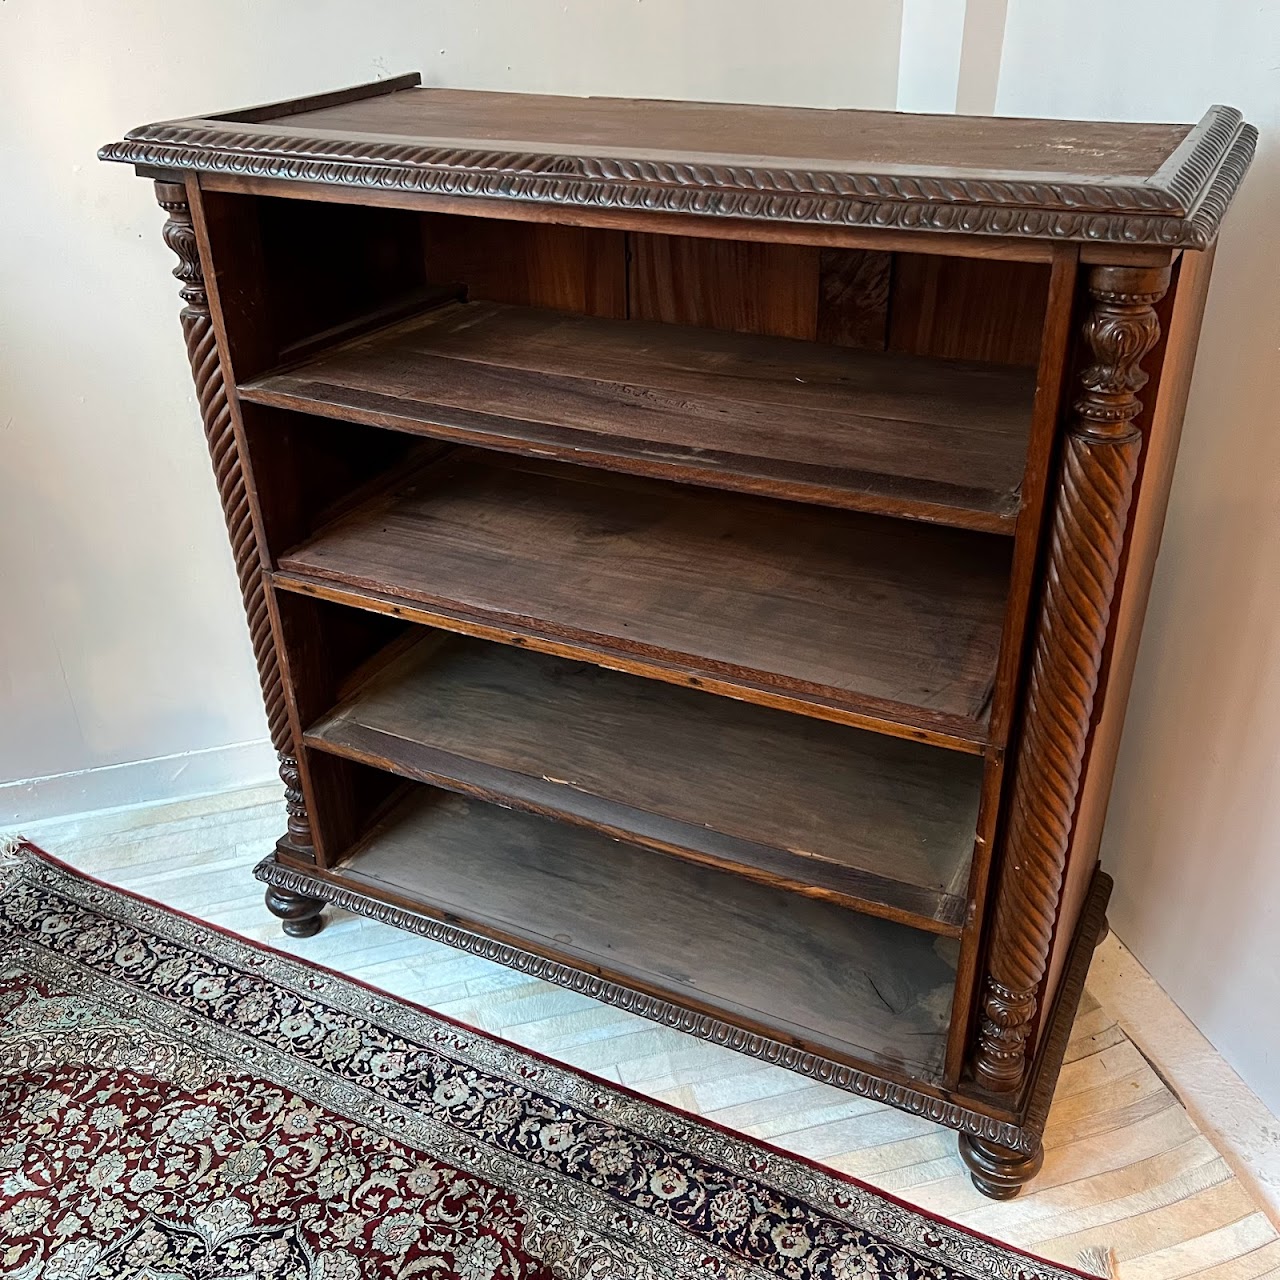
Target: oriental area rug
<point>178,1103</point>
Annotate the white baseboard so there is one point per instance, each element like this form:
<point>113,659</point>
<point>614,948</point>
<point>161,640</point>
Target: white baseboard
<point>156,781</point>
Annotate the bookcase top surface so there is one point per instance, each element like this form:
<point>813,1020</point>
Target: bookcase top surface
<point>1084,181</point>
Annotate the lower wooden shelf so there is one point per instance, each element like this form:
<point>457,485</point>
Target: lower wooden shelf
<point>872,822</point>
<point>852,988</point>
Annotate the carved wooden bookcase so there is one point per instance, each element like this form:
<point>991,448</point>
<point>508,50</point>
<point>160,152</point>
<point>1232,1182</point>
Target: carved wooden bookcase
<point>696,554</point>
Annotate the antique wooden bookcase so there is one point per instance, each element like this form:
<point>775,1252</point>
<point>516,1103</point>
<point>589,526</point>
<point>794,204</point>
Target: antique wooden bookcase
<point>696,553</point>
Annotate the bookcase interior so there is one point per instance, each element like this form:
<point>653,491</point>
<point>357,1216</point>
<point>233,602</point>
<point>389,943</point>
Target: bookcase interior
<point>641,565</point>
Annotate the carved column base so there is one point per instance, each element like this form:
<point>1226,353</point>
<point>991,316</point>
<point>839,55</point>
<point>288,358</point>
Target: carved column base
<point>299,916</point>
<point>297,839</point>
<point>997,1171</point>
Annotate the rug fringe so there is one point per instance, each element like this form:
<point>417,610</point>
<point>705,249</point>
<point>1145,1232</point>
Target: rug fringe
<point>10,847</point>
<point>1100,1259</point>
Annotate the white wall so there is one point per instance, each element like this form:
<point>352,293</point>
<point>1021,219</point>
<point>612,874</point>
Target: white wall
<point>122,640</point>
<point>1193,832</point>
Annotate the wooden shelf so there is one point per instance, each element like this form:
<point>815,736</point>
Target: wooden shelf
<point>882,623</point>
<point>881,825</point>
<point>846,985</point>
<point>938,440</point>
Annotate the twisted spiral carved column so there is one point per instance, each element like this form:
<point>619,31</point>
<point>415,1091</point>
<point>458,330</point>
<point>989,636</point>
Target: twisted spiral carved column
<point>211,391</point>
<point>1099,465</point>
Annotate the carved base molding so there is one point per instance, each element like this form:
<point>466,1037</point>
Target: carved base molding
<point>290,884</point>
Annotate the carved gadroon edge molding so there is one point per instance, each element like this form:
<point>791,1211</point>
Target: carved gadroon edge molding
<point>953,1115</point>
<point>1099,465</point>
<point>1180,208</point>
<point>211,392</point>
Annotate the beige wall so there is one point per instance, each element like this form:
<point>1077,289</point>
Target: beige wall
<point>122,641</point>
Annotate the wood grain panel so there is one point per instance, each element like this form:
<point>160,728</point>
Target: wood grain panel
<point>828,811</point>
<point>853,298</point>
<point>939,440</point>
<point>966,309</point>
<point>530,264</point>
<point>899,620</point>
<point>855,986</point>
<point>725,284</point>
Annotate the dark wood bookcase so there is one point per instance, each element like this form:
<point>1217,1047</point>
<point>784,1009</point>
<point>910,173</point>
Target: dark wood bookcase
<point>696,553</point>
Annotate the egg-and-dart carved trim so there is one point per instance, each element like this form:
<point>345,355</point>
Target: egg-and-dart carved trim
<point>951,1114</point>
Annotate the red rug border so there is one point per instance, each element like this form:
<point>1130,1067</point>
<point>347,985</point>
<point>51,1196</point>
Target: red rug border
<point>670,1108</point>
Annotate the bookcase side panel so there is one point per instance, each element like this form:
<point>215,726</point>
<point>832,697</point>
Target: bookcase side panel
<point>207,357</point>
<point>1161,423</point>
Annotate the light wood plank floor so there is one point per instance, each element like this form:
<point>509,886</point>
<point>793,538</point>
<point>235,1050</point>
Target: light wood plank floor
<point>1129,1182</point>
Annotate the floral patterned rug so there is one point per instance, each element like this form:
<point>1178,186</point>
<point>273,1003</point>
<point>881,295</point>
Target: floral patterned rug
<point>176,1102</point>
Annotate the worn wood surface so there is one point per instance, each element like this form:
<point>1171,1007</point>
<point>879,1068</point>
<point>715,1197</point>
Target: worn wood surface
<point>859,987</point>
<point>895,619</point>
<point>848,140</point>
<point>935,439</point>
<point>1066,180</point>
<point>829,811</point>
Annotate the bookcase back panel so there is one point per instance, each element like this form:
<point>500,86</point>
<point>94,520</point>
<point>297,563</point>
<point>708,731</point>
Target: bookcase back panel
<point>321,266</point>
<point>922,304</point>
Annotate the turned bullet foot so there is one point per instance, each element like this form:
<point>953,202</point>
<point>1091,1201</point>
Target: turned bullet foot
<point>997,1171</point>
<point>299,916</point>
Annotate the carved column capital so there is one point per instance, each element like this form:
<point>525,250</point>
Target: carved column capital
<point>180,235</point>
<point>228,468</point>
<point>1121,328</point>
<point>1099,464</point>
